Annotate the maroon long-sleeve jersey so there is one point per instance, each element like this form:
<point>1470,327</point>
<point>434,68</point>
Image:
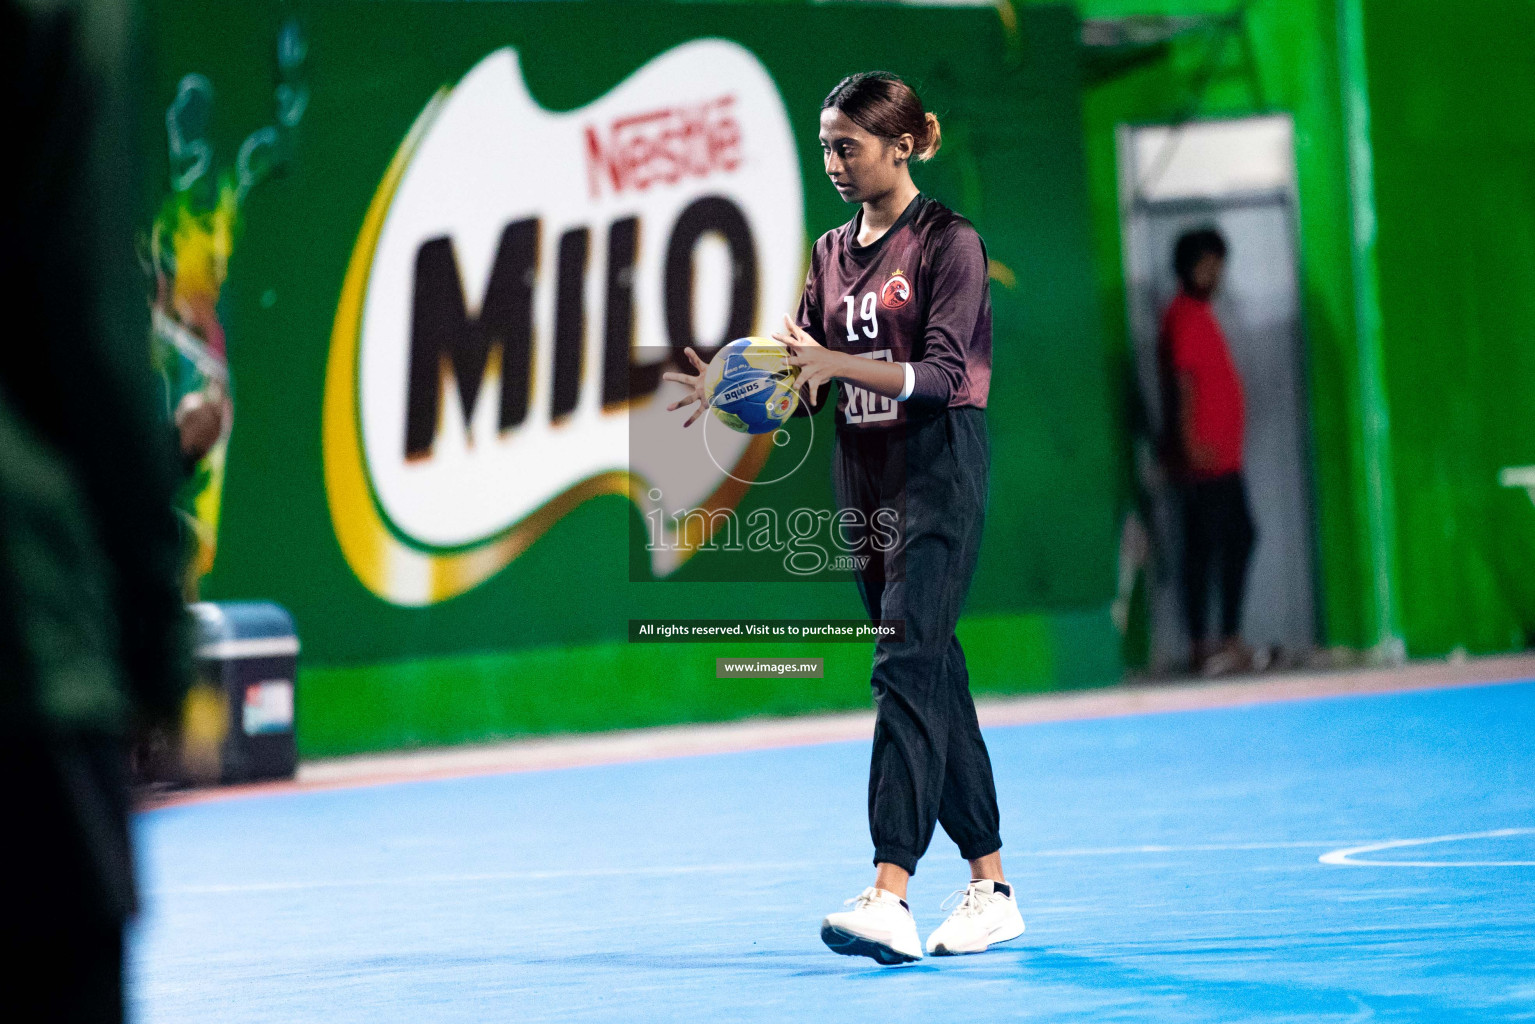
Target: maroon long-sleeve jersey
<point>918,294</point>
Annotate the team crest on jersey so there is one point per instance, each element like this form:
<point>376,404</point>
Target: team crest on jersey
<point>896,292</point>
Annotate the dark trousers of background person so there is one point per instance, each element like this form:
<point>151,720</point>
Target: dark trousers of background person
<point>1218,539</point>
<point>929,762</point>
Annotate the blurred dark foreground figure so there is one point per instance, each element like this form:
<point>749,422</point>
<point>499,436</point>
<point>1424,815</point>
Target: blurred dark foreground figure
<point>92,632</point>
<point>1204,415</point>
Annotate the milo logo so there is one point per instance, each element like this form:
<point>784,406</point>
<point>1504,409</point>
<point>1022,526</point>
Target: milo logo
<point>520,282</point>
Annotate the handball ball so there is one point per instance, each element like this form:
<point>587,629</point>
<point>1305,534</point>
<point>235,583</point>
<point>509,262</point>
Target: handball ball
<point>751,386</point>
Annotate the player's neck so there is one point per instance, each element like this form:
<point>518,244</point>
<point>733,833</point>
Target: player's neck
<point>882,211</point>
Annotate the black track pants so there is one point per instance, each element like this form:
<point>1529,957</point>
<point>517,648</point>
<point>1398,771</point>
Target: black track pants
<point>1218,540</point>
<point>929,762</point>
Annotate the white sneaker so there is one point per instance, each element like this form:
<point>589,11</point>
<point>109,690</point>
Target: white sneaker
<point>984,916</point>
<point>879,926</point>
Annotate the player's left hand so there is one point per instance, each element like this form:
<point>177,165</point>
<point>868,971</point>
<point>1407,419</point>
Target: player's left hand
<point>818,364</point>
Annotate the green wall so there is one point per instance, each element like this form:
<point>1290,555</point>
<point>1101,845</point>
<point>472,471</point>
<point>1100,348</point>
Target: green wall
<point>539,646</point>
<point>1451,165</point>
<point>1029,155</point>
<point>1284,58</point>
<point>1450,90</point>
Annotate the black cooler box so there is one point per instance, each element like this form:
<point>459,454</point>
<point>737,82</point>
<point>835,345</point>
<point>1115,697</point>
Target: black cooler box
<point>247,652</point>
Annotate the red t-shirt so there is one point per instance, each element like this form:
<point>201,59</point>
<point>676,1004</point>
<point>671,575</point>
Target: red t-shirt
<point>1193,345</point>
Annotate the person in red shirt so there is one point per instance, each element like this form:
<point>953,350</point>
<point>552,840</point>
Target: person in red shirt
<point>1203,435</point>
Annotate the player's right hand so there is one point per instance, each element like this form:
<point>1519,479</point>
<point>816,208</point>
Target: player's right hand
<point>803,352</point>
<point>695,386</point>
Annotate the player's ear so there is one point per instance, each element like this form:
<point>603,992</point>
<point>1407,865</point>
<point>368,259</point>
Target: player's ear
<point>905,146</point>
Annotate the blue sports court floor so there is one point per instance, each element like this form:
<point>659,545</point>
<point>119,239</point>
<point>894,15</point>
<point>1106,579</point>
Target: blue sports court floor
<point>1170,868</point>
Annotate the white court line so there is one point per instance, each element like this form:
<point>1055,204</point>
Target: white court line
<point>1104,851</point>
<point>1346,856</point>
<point>698,869</point>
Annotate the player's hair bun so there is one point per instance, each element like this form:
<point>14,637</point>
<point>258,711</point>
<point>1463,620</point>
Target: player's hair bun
<point>934,137</point>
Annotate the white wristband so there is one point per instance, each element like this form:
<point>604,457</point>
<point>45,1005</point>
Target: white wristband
<point>911,382</point>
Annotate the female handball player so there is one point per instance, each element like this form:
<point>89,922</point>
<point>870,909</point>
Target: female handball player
<point>897,308</point>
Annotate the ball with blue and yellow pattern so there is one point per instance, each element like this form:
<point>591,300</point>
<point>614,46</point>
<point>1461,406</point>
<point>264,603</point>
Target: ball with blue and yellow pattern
<point>750,385</point>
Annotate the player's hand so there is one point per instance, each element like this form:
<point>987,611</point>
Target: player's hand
<point>695,386</point>
<point>818,364</point>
